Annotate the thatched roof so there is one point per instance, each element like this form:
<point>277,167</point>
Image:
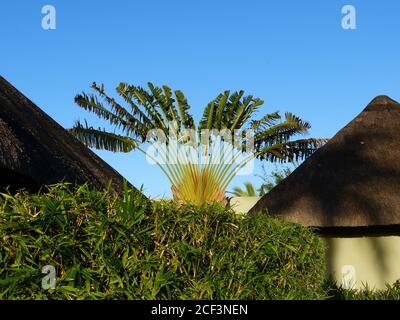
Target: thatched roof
<point>36,151</point>
<point>352,181</point>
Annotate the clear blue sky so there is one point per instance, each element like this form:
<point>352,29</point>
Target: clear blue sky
<point>293,54</point>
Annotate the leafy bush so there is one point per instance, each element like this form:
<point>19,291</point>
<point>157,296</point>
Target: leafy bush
<point>105,247</point>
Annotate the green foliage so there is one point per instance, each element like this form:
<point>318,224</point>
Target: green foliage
<point>161,108</point>
<point>249,191</point>
<point>391,292</point>
<point>146,113</point>
<point>270,180</point>
<point>106,247</point>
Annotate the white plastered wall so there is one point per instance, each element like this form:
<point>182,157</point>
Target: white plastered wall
<point>364,260</point>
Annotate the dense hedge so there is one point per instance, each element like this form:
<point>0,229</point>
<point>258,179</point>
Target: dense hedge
<point>104,247</point>
<point>391,292</point>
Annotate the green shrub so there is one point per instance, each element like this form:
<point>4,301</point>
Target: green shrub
<point>105,247</point>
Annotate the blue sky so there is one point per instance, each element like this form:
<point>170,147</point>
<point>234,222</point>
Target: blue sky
<point>293,54</point>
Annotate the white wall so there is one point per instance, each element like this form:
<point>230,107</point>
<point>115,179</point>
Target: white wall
<point>371,260</point>
<point>243,204</point>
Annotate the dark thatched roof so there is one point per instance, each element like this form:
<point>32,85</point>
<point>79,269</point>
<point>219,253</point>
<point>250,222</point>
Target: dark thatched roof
<point>36,151</point>
<point>352,181</point>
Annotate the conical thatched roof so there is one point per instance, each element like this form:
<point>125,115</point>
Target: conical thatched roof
<point>352,181</point>
<point>36,151</point>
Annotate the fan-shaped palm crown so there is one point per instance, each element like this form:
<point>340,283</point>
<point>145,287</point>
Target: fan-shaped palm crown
<point>142,113</point>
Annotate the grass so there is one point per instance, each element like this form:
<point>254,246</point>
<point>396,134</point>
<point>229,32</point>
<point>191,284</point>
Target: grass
<point>391,292</point>
<point>105,247</point>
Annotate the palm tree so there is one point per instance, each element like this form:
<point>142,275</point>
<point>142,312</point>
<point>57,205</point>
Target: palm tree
<point>250,191</point>
<point>270,180</point>
<point>145,113</point>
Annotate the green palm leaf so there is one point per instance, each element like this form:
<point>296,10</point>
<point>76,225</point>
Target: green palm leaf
<point>101,139</point>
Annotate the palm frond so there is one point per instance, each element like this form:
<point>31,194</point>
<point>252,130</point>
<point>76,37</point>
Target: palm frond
<point>103,140</point>
<point>265,122</point>
<point>91,103</point>
<point>278,133</point>
<point>134,126</point>
<point>290,150</point>
<point>229,111</point>
<point>123,89</point>
<point>245,111</point>
<point>146,99</point>
<point>183,107</point>
<point>221,106</point>
<point>250,191</point>
<point>208,117</point>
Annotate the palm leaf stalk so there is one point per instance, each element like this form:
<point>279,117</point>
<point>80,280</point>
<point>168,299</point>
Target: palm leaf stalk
<point>162,116</point>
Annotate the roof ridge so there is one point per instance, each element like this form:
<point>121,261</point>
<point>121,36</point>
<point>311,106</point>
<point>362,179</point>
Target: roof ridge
<point>382,102</point>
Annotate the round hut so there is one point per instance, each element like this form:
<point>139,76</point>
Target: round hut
<point>350,190</point>
<point>36,151</point>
